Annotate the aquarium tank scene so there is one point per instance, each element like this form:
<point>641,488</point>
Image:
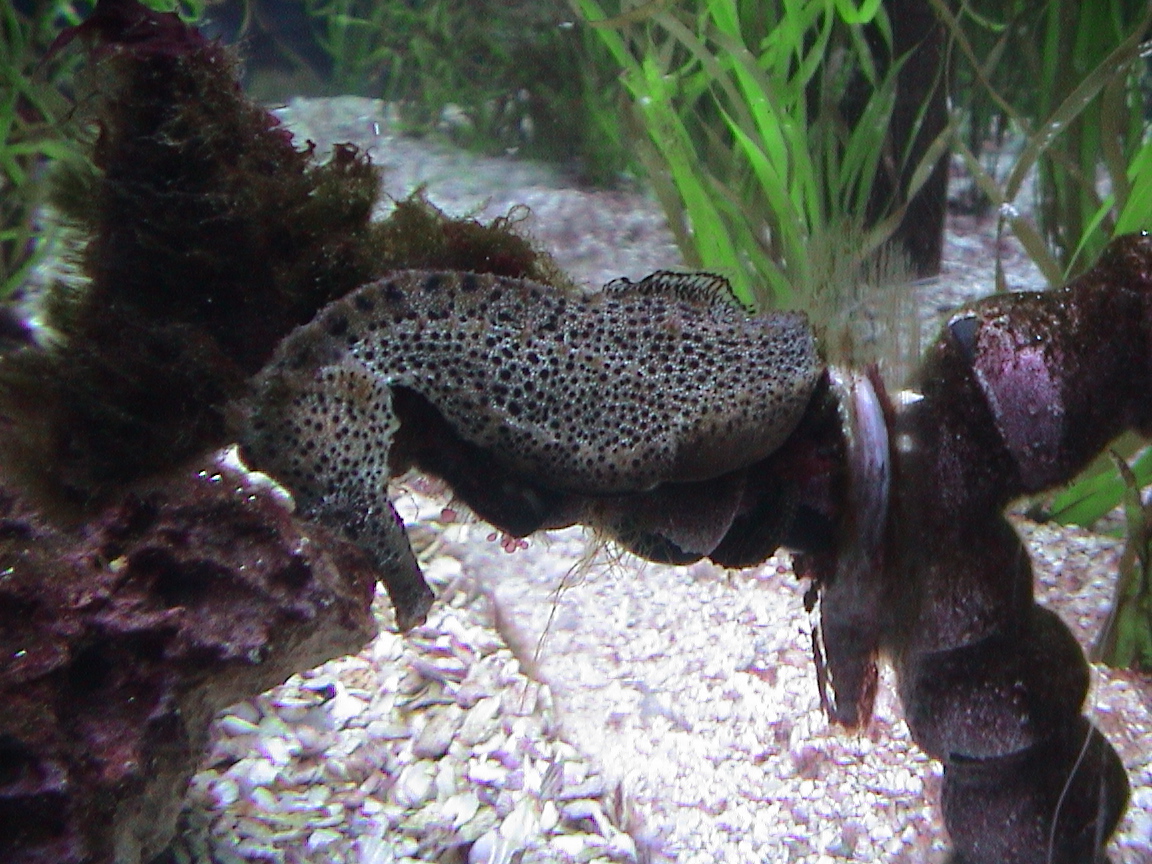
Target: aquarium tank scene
<point>575,431</point>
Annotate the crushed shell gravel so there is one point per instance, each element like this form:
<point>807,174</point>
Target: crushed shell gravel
<point>567,705</point>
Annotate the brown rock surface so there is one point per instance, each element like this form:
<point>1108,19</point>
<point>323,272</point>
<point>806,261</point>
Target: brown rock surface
<point>121,637</point>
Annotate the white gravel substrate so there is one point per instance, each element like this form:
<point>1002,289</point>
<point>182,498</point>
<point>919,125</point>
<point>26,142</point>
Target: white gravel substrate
<point>694,688</point>
<point>601,694</point>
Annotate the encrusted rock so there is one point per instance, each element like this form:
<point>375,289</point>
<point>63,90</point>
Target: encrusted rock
<point>124,635</point>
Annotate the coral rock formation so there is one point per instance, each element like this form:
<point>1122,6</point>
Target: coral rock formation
<point>123,636</point>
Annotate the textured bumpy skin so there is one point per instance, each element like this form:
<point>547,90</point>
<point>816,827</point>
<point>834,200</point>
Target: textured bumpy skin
<point>662,380</point>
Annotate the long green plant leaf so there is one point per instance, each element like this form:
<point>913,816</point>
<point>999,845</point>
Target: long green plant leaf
<point>1074,104</point>
<point>1136,214</point>
<point>862,14</point>
<point>1126,638</point>
<point>1097,494</point>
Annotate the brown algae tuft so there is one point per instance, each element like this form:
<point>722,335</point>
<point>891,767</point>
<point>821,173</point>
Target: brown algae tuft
<point>211,235</point>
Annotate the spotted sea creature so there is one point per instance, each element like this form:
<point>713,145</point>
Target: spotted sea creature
<point>530,401</point>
